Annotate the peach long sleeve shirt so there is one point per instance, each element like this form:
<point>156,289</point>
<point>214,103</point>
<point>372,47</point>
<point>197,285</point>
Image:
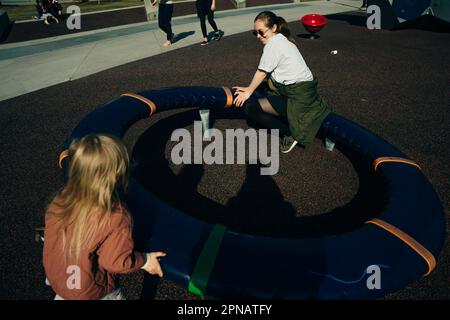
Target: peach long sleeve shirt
<point>94,276</point>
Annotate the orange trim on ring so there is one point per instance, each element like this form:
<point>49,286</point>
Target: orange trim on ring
<point>62,156</point>
<point>416,246</point>
<point>381,160</point>
<point>229,97</point>
<point>148,102</point>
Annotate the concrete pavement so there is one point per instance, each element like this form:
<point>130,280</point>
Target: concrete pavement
<point>32,65</point>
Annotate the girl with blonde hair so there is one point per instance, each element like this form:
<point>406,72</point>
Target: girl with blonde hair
<point>88,228</point>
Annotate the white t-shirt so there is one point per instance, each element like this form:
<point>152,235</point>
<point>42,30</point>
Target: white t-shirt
<point>282,59</point>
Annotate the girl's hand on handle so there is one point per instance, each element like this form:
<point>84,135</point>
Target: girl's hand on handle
<point>154,2</point>
<point>152,264</point>
<point>241,95</point>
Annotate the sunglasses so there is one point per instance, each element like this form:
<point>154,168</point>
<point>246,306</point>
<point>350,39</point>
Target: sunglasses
<point>260,32</point>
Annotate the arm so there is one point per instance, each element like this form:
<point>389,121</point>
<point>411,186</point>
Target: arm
<point>116,253</point>
<point>213,5</point>
<point>243,93</point>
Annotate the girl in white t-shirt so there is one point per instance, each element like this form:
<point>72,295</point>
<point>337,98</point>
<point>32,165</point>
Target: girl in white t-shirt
<point>285,68</point>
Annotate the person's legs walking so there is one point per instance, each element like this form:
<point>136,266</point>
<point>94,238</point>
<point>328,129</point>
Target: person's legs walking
<point>211,20</point>
<point>203,27</point>
<point>213,24</point>
<point>164,21</point>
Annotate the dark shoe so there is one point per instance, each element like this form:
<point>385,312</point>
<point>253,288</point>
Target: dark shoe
<point>217,36</point>
<point>287,144</point>
<point>204,43</point>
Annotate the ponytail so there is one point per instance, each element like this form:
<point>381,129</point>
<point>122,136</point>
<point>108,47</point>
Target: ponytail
<point>270,19</point>
<point>283,28</point>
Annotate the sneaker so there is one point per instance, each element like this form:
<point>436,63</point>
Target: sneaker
<point>287,144</point>
<point>217,36</point>
<point>204,43</point>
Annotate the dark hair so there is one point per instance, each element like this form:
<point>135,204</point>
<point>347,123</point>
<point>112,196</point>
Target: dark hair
<point>270,19</point>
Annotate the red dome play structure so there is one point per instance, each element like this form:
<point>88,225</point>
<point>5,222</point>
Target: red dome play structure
<point>313,23</point>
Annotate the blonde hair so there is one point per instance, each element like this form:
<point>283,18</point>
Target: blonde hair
<point>98,176</point>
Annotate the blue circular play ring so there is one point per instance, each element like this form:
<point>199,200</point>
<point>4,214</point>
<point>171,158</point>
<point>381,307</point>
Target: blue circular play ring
<point>403,241</point>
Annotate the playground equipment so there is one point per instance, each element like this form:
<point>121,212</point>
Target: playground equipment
<point>396,12</point>
<point>313,23</point>
<point>402,241</point>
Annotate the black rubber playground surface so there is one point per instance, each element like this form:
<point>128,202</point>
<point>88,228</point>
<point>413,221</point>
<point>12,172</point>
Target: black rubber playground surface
<point>393,83</point>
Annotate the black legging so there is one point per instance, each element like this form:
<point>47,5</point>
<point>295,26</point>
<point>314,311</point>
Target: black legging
<point>211,22</point>
<point>266,120</point>
<point>165,12</point>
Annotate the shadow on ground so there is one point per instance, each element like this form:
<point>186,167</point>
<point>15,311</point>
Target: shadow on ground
<point>258,207</point>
